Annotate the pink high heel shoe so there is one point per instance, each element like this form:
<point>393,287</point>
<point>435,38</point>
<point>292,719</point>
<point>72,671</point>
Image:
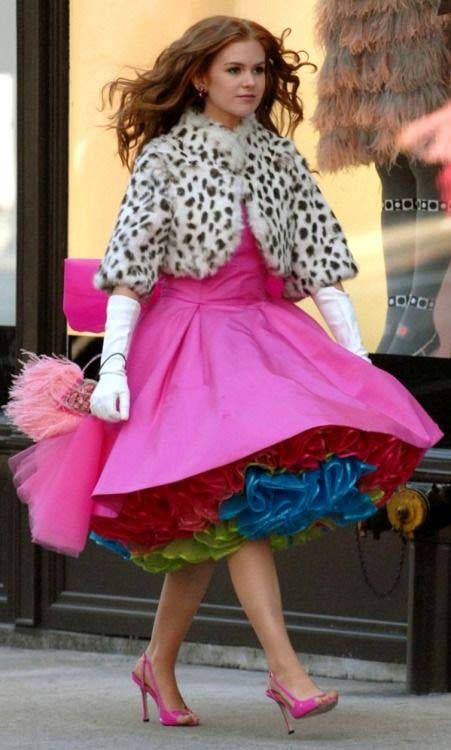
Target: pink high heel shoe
<point>168,717</point>
<point>298,708</point>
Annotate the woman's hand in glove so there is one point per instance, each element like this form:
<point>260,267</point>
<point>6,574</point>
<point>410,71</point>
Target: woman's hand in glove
<point>338,312</point>
<point>110,399</point>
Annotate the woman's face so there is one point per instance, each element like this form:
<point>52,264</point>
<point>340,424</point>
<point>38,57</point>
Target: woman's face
<point>235,82</point>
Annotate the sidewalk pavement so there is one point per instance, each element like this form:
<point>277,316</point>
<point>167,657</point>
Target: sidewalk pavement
<point>67,700</point>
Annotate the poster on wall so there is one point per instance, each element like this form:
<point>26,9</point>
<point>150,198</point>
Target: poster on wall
<point>416,243</point>
<point>374,79</point>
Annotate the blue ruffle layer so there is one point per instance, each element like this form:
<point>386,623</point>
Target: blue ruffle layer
<point>285,503</point>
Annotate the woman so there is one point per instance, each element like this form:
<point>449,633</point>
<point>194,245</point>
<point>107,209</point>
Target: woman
<point>386,63</point>
<point>225,422</point>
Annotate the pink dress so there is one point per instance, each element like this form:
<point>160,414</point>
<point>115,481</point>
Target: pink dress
<point>247,421</point>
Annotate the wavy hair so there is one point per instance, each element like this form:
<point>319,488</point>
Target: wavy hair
<point>152,102</point>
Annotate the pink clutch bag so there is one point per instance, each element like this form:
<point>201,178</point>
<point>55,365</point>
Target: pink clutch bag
<point>84,306</point>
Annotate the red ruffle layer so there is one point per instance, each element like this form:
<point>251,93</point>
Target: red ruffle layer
<point>153,517</point>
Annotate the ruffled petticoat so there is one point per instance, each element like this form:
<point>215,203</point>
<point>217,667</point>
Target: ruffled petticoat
<point>247,421</point>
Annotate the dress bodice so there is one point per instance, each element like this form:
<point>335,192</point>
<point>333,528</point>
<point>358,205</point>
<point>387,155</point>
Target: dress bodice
<point>244,278</point>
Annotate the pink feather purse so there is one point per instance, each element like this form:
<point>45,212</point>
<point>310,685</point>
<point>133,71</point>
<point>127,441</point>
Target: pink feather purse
<point>49,396</point>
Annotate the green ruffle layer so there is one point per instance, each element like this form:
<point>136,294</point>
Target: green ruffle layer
<point>213,543</point>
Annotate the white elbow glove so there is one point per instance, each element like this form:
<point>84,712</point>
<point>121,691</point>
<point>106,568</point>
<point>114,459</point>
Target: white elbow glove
<point>338,312</point>
<point>110,399</point>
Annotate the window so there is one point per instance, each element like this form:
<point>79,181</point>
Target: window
<point>7,192</point>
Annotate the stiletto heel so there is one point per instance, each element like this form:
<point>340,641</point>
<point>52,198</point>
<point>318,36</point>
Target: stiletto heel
<point>283,710</point>
<point>284,713</point>
<point>145,707</point>
<point>298,708</point>
<point>168,717</point>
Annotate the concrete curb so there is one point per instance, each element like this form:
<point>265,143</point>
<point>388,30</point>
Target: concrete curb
<point>205,654</point>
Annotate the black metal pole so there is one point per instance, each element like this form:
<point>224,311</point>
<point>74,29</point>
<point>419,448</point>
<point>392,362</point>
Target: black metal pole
<point>429,613</point>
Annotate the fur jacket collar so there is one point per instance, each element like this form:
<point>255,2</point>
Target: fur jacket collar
<point>182,211</point>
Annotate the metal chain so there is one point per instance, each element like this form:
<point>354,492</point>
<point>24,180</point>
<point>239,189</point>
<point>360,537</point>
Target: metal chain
<point>402,558</point>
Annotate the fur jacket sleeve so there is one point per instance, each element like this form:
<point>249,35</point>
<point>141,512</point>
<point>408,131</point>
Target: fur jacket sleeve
<point>136,250</point>
<point>182,211</point>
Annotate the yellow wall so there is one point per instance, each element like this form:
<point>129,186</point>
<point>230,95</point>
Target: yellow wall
<point>107,36</point>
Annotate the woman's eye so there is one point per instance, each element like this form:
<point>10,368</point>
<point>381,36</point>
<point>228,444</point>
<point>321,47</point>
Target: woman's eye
<point>235,69</point>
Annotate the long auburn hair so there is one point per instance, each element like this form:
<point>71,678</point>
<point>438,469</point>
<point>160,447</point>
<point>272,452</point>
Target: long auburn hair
<point>152,102</point>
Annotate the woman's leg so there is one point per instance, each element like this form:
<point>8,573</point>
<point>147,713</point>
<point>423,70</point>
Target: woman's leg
<point>398,240</point>
<point>181,594</point>
<point>416,333</point>
<point>255,580</point>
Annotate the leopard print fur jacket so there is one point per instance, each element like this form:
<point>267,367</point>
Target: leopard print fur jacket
<point>181,213</point>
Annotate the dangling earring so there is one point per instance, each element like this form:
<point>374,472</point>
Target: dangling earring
<point>202,92</point>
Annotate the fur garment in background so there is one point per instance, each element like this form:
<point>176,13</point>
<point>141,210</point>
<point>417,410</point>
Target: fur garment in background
<point>182,211</point>
<point>386,63</point>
